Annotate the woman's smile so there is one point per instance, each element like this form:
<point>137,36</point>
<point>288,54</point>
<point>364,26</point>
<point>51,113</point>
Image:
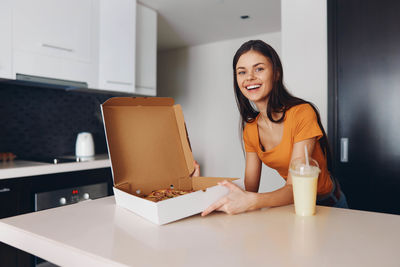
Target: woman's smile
<point>253,86</point>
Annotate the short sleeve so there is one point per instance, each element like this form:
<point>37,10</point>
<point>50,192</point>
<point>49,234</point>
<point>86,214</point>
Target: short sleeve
<point>248,146</point>
<point>306,124</point>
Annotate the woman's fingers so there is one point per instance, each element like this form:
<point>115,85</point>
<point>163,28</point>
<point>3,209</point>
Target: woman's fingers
<point>214,206</point>
<point>220,204</point>
<point>231,186</point>
<point>196,172</point>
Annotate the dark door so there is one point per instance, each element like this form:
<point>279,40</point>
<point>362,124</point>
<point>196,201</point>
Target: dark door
<point>364,100</point>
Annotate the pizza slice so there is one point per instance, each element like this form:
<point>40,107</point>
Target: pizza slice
<point>163,194</point>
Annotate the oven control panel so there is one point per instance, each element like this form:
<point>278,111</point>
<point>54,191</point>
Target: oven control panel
<point>57,198</point>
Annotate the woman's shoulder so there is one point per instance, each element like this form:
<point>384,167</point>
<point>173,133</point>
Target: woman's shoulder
<point>304,109</point>
<point>250,125</point>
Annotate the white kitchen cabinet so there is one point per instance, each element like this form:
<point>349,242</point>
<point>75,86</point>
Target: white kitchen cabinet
<point>56,39</point>
<point>117,45</point>
<point>146,51</point>
<point>6,39</point>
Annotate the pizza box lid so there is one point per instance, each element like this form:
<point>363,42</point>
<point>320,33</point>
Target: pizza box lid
<point>148,144</point>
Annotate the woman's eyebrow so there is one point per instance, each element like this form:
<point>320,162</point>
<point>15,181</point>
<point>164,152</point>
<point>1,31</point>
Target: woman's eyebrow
<point>255,65</point>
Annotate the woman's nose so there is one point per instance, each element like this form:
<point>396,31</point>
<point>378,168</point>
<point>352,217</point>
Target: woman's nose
<point>250,75</point>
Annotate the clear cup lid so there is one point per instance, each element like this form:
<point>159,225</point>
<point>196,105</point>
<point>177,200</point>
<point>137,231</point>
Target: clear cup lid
<point>299,167</point>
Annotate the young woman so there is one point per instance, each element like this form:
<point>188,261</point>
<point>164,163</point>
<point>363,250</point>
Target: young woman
<point>274,133</point>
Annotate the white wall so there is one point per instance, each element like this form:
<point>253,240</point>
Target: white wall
<point>304,51</point>
<point>200,78</point>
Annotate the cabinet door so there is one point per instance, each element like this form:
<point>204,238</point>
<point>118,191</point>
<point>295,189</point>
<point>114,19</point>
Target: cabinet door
<point>9,206</point>
<point>146,51</point>
<point>6,43</point>
<point>8,198</point>
<point>117,45</point>
<point>54,38</point>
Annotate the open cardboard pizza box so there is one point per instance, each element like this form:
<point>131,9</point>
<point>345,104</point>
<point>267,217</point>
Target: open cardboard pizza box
<point>150,150</point>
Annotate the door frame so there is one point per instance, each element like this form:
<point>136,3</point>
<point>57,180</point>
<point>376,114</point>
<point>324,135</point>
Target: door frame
<point>332,81</point>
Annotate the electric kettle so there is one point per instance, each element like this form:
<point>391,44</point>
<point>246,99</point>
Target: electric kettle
<point>84,147</point>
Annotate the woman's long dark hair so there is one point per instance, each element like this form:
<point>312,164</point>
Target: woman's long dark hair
<point>279,101</point>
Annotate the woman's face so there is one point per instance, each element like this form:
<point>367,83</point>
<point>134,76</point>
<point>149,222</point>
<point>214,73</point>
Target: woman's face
<point>254,76</point>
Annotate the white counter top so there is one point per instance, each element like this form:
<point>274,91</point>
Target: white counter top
<point>98,233</point>
<point>21,168</point>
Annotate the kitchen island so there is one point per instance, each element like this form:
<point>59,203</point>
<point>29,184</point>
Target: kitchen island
<point>99,233</point>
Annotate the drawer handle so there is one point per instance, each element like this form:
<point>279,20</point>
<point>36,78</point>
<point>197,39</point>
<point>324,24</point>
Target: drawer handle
<point>144,87</point>
<point>58,47</point>
<point>4,190</point>
<point>116,82</point>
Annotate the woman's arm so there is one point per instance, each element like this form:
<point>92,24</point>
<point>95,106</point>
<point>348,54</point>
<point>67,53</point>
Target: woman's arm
<point>284,195</point>
<point>238,201</point>
<point>252,172</point>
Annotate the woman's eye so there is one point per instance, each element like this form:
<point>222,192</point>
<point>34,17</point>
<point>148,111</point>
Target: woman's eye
<point>240,72</point>
<point>259,69</point>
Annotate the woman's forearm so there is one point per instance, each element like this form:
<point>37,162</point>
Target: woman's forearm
<point>281,197</point>
<point>252,185</point>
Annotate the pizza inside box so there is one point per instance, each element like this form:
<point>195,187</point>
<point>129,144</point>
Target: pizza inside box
<point>149,150</point>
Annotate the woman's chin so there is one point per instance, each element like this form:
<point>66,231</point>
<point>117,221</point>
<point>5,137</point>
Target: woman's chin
<point>255,97</point>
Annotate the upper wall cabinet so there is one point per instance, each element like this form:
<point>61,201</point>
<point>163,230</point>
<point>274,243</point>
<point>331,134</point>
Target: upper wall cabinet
<point>56,39</point>
<point>107,44</point>
<point>146,51</point>
<point>117,45</point>
<point>6,39</point>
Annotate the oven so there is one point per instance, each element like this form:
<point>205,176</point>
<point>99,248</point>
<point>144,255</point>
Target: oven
<point>60,189</point>
<point>67,196</point>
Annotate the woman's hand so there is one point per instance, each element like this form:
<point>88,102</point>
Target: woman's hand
<point>237,201</point>
<point>196,172</point>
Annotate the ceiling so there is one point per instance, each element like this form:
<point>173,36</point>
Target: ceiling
<point>192,22</point>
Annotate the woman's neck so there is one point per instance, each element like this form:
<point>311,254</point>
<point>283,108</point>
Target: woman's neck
<point>262,107</point>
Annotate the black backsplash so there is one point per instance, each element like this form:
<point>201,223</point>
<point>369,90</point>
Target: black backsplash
<point>40,122</point>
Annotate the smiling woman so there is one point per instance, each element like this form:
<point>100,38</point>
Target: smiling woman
<point>274,133</point>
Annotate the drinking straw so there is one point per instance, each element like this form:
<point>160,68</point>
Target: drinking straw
<point>306,152</point>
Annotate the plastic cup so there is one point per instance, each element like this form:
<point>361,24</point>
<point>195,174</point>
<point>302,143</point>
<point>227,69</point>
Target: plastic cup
<point>304,182</point>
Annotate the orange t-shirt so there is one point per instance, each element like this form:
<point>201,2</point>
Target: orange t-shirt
<point>300,123</point>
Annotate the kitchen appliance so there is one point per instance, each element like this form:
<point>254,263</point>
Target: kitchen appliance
<point>84,147</point>
<point>62,197</point>
<point>67,196</point>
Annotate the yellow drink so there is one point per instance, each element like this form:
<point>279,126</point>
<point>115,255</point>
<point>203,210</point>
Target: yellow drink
<point>305,194</point>
<point>304,182</point>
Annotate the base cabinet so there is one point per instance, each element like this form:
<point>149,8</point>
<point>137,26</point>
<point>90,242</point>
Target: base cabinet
<point>8,207</point>
<point>11,197</point>
<point>17,196</point>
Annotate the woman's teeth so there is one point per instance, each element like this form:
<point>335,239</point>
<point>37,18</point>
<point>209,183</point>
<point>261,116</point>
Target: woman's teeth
<point>251,87</point>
